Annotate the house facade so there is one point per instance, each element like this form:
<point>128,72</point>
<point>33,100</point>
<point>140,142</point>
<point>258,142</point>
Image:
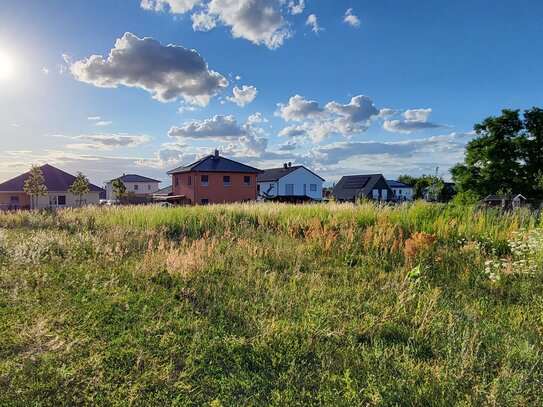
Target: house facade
<point>58,182</point>
<point>352,188</point>
<point>213,179</point>
<point>402,192</point>
<point>137,185</point>
<point>290,181</point>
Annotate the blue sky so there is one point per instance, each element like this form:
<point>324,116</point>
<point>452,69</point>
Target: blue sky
<point>343,87</point>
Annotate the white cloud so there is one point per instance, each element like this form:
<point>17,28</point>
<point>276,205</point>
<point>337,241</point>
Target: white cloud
<point>350,18</point>
<point>243,96</point>
<point>312,21</point>
<point>217,127</point>
<point>94,118</point>
<point>237,78</point>
<point>296,8</point>
<point>104,141</point>
<point>45,70</point>
<point>289,145</point>
<point>293,131</point>
<point>14,125</point>
<point>203,21</point>
<point>415,120</point>
<point>299,108</point>
<point>256,118</point>
<point>167,72</point>
<point>173,6</point>
<point>103,123</point>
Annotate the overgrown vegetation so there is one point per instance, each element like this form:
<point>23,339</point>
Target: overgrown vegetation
<point>261,304</point>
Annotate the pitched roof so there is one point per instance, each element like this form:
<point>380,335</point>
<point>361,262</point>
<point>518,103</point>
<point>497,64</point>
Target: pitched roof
<point>351,187</point>
<point>397,184</point>
<point>274,174</point>
<point>164,191</point>
<point>55,180</point>
<point>212,163</point>
<point>136,178</point>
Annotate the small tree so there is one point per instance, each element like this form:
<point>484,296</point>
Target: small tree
<point>119,189</point>
<point>435,186</point>
<point>35,185</point>
<point>80,186</point>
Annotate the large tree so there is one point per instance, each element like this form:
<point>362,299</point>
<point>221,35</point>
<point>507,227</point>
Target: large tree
<point>80,187</point>
<point>507,155</point>
<point>35,186</point>
<point>119,189</point>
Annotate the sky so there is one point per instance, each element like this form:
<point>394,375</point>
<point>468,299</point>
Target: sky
<point>109,87</point>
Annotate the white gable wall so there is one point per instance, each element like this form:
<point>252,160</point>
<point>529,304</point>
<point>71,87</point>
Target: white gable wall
<point>298,179</point>
<point>144,188</point>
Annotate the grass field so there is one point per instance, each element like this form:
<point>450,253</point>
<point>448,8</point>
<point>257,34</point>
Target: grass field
<point>261,304</point>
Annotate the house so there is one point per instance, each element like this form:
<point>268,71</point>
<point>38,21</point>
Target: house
<point>138,186</point>
<point>402,192</point>
<point>214,179</point>
<point>57,182</point>
<point>352,188</point>
<point>163,194</point>
<point>290,183</point>
<point>505,202</point>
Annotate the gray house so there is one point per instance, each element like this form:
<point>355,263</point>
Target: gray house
<point>351,188</point>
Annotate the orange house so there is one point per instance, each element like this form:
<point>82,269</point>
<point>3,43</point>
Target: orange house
<point>214,179</point>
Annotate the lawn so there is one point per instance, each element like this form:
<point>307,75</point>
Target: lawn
<point>259,304</point>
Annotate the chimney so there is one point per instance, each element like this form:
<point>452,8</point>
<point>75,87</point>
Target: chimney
<point>216,154</point>
<point>289,164</point>
<point>285,166</point>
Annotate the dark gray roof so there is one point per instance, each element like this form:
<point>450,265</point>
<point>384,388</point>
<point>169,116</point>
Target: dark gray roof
<point>274,174</point>
<point>55,180</point>
<point>135,178</point>
<point>212,163</point>
<point>499,198</point>
<point>351,187</point>
<point>397,184</point>
<point>164,191</point>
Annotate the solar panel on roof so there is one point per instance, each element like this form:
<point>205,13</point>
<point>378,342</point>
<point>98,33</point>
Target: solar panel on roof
<point>356,183</point>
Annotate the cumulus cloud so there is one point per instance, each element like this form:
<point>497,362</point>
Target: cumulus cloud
<point>335,118</point>
<point>293,131</point>
<point>243,96</point>
<point>260,22</point>
<point>45,70</point>
<point>217,127</point>
<point>289,145</point>
<point>299,108</point>
<point>415,120</point>
<point>313,23</point>
<point>350,18</point>
<point>168,72</point>
<point>104,141</point>
<point>256,118</point>
<point>173,6</point>
<point>203,21</point>
<point>296,8</point>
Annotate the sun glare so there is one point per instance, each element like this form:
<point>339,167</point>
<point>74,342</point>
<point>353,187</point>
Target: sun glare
<point>6,65</point>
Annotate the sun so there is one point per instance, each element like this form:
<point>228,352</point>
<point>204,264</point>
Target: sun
<point>6,65</point>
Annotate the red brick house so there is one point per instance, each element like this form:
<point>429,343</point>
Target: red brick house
<point>214,179</point>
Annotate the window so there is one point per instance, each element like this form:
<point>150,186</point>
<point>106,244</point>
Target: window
<point>289,189</point>
<point>136,187</point>
<point>176,181</point>
<point>205,180</point>
<point>399,191</point>
<point>226,180</point>
<point>148,187</point>
<point>57,200</point>
<point>205,201</point>
<point>313,187</point>
<point>375,193</point>
<point>190,180</point>
<point>247,180</point>
<point>384,194</point>
<point>14,200</point>
<point>258,188</point>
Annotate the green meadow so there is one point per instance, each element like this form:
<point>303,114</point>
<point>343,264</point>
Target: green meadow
<point>272,304</point>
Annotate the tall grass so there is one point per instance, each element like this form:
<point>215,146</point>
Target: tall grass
<point>258,304</point>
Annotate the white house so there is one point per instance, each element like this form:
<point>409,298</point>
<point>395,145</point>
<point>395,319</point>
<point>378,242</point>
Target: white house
<point>290,182</point>
<point>138,185</point>
<point>402,192</point>
<point>58,182</point>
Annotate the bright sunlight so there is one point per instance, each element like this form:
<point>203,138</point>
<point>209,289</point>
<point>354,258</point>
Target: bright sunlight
<point>6,65</point>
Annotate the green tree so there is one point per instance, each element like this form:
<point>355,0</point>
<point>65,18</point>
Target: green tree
<point>531,145</point>
<point>79,187</point>
<point>35,186</point>
<point>435,186</point>
<point>119,189</point>
<point>494,159</point>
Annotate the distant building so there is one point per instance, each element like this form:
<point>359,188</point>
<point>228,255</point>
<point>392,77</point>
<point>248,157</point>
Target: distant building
<point>352,188</point>
<point>402,192</point>
<point>445,195</point>
<point>163,194</point>
<point>137,185</point>
<point>214,179</point>
<point>12,195</point>
<point>290,183</point>
<point>505,202</point>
